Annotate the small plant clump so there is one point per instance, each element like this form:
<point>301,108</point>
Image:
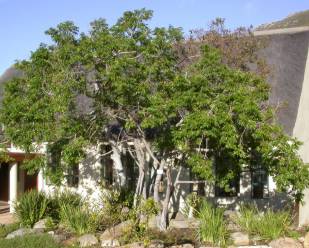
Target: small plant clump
<point>30,241</point>
<point>79,220</point>
<point>268,226</point>
<point>213,227</point>
<point>6,229</point>
<point>31,208</point>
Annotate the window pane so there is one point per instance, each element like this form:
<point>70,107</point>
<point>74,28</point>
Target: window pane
<point>259,180</point>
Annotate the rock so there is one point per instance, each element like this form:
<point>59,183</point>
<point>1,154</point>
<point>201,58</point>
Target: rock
<point>40,225</point>
<point>209,247</point>
<point>66,241</point>
<point>183,246</point>
<point>117,231</point>
<point>110,243</point>
<point>306,240</point>
<point>184,224</point>
<point>230,214</point>
<point>152,222</point>
<point>255,246</point>
<point>133,245</point>
<point>156,244</point>
<point>20,232</point>
<point>180,216</point>
<point>301,239</point>
<point>52,233</point>
<point>59,237</point>
<point>233,227</point>
<point>240,238</point>
<point>285,243</point>
<point>125,210</point>
<point>87,240</point>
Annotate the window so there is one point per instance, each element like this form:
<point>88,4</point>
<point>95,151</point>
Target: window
<point>131,171</point>
<point>106,166</point>
<point>259,183</point>
<point>73,176</point>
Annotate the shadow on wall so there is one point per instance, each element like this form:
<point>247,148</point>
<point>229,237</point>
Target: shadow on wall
<point>278,201</point>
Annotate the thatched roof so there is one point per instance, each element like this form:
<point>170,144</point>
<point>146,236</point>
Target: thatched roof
<point>286,53</point>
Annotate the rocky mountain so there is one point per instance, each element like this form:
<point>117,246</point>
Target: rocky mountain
<point>299,19</point>
<point>7,75</point>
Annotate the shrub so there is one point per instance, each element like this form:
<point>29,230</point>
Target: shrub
<point>273,225</point>
<point>61,199</point>
<point>30,241</point>
<point>79,219</point>
<point>212,228</point>
<point>268,226</point>
<point>247,218</point>
<point>31,207</point>
<point>113,203</point>
<point>138,231</point>
<point>6,229</point>
<point>192,205</point>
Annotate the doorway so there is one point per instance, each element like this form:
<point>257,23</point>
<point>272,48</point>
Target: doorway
<point>31,182</point>
<point>4,182</point>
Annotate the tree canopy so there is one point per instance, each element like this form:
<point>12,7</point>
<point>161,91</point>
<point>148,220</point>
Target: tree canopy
<point>127,84</point>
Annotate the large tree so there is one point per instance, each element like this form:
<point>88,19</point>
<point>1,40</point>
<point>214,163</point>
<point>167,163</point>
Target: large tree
<point>127,85</point>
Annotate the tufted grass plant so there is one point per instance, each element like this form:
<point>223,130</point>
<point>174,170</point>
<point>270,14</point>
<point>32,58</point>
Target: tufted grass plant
<point>213,228</point>
<point>31,207</point>
<point>79,220</point>
<point>62,198</point>
<point>268,226</point>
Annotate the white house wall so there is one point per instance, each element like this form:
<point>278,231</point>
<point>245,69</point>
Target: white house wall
<point>301,131</point>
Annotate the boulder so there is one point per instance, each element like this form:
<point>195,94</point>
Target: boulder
<point>285,243</point>
<point>133,245</point>
<point>180,216</point>
<point>184,224</point>
<point>183,246</point>
<point>117,231</point>
<point>20,232</point>
<point>156,244</point>
<point>40,225</point>
<point>255,246</point>
<point>59,237</point>
<point>230,214</point>
<point>240,238</point>
<point>87,240</point>
<point>110,243</point>
<point>306,240</point>
<point>67,241</point>
<point>152,222</point>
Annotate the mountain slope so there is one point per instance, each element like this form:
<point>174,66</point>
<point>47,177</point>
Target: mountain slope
<point>299,19</point>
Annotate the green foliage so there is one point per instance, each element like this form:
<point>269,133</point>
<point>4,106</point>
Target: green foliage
<point>62,198</point>
<point>211,111</point>
<point>50,224</point>
<point>268,226</point>
<point>30,241</point>
<point>114,201</point>
<point>139,215</point>
<point>31,207</point>
<point>6,229</point>
<point>193,204</point>
<point>273,225</point>
<point>79,220</point>
<point>213,228</point>
<point>247,218</point>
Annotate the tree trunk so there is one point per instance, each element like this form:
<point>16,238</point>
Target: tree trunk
<point>169,191</point>
<point>159,175</point>
<point>141,162</point>
<point>116,157</point>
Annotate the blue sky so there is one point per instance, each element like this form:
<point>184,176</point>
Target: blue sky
<point>23,22</point>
